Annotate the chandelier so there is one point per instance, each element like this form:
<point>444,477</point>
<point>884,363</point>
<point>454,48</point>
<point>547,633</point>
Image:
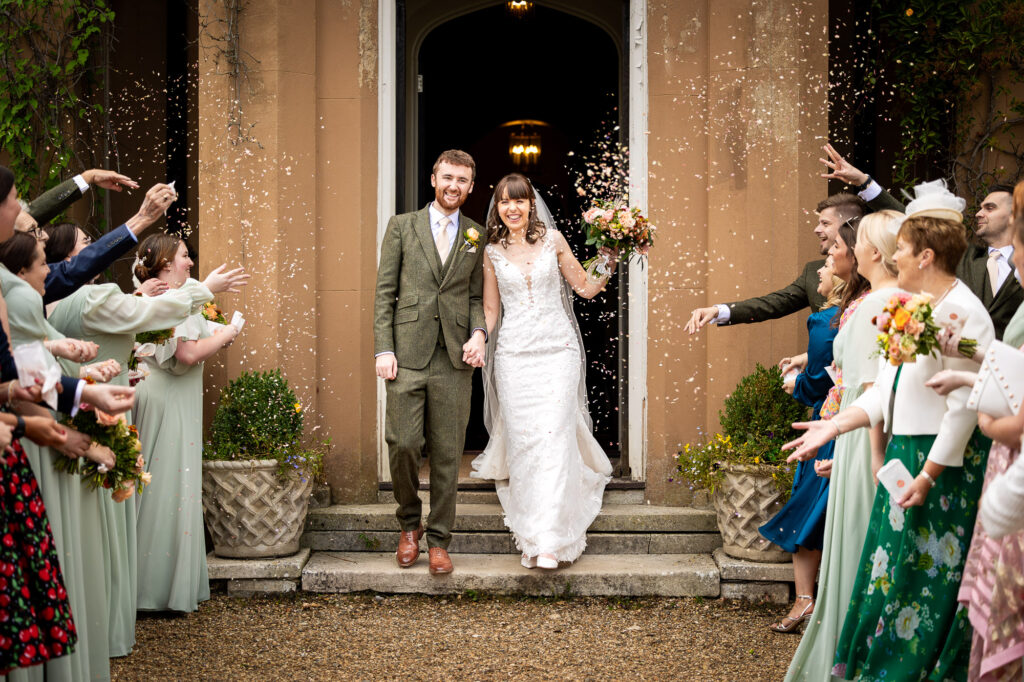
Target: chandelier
<point>519,8</point>
<point>524,142</point>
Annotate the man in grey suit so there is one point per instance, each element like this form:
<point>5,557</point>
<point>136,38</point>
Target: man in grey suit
<point>429,334</point>
<point>832,212</point>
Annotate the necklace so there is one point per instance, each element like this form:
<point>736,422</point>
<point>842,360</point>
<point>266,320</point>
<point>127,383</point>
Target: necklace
<point>945,293</point>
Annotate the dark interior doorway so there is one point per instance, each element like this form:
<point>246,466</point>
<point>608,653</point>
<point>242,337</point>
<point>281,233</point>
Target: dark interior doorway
<point>487,68</point>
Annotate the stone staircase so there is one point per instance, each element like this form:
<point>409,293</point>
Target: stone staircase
<point>633,549</point>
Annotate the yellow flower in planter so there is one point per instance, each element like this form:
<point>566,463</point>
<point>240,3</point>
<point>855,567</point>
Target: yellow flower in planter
<point>298,407</point>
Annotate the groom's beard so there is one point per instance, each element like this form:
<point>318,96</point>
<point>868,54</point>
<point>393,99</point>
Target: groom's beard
<point>448,202</point>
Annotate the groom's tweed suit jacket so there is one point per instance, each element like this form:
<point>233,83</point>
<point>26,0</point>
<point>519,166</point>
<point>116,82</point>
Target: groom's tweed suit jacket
<point>419,300</point>
<point>799,295</point>
<point>973,271</point>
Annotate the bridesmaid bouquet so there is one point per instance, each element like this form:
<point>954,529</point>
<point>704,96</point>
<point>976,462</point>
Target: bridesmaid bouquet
<point>213,313</point>
<point>114,432</point>
<point>145,345</point>
<point>616,226</point>
<point>907,328</point>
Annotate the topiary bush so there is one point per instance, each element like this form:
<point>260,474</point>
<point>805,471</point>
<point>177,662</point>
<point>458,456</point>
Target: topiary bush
<point>259,417</point>
<point>756,422</point>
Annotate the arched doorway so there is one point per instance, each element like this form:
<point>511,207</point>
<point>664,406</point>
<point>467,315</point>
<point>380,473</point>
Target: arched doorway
<point>463,74</point>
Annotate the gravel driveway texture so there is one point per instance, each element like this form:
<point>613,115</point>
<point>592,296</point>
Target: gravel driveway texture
<point>381,637</point>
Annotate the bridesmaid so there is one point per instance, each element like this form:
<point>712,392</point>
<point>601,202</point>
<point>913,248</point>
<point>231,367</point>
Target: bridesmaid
<point>103,314</point>
<point>799,525</point>
<point>169,416</point>
<point>903,617</point>
<point>851,486</point>
<point>74,510</point>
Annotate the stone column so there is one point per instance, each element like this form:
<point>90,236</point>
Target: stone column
<point>738,114</point>
<point>258,194</point>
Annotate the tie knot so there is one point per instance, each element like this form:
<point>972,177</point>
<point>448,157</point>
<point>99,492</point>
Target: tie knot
<point>445,222</point>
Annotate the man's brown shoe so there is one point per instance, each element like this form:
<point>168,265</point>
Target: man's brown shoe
<point>440,562</point>
<point>408,547</point>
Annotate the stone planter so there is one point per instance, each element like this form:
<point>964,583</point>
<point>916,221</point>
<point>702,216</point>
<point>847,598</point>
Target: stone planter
<point>744,502</point>
<point>250,511</point>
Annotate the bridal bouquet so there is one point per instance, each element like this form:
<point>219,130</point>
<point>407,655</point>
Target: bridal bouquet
<point>129,474</point>
<point>907,329</point>
<point>616,226</point>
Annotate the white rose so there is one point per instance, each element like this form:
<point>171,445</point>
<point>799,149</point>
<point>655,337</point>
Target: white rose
<point>879,563</point>
<point>906,622</point>
<point>949,550</point>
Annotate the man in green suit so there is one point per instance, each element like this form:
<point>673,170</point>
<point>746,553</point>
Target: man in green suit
<point>803,292</point>
<point>986,268</point>
<point>429,334</point>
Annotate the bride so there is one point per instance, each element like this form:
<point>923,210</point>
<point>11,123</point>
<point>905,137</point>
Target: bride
<point>548,469</point>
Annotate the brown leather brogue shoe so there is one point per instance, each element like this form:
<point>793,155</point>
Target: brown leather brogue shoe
<point>440,562</point>
<point>408,547</point>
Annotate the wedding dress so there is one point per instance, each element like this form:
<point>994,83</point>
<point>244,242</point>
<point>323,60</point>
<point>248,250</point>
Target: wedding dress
<point>548,468</point>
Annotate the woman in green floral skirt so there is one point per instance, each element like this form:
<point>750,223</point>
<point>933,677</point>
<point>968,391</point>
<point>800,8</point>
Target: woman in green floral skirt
<point>903,622</point>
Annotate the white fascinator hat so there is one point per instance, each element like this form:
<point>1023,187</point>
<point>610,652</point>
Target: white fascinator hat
<point>934,199</point>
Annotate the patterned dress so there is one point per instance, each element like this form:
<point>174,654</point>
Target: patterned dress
<point>903,622</point>
<point>35,619</point>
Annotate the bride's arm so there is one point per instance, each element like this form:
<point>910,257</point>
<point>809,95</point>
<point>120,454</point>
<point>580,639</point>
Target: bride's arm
<point>575,275</point>
<point>492,297</point>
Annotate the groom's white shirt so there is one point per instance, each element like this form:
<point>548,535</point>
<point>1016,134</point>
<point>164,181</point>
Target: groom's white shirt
<point>435,225</point>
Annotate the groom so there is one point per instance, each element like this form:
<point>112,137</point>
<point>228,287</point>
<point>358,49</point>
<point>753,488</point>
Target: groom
<point>429,301</point>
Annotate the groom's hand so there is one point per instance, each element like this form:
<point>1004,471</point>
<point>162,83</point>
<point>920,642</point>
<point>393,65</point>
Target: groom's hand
<point>473,351</point>
<point>387,366</point>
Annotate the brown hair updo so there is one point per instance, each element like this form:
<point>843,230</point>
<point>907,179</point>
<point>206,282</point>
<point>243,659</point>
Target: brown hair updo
<point>19,252</point>
<point>517,187</point>
<point>60,242</point>
<point>156,252</point>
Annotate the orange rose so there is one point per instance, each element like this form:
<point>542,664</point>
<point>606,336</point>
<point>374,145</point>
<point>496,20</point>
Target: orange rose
<point>105,419</point>
<point>901,318</point>
<point>122,494</point>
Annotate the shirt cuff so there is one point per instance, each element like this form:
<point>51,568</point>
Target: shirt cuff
<point>387,352</point>
<point>78,398</point>
<point>723,314</point>
<point>479,329</point>
<point>134,236</point>
<point>871,191</point>
<point>82,184</point>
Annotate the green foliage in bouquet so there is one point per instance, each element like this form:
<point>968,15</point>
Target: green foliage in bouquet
<point>259,417</point>
<point>756,422</point>
<point>123,439</point>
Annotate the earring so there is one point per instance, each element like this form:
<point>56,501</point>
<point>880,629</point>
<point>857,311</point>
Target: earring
<point>920,266</point>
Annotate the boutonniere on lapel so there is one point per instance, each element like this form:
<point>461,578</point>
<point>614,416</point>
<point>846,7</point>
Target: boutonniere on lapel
<point>470,240</point>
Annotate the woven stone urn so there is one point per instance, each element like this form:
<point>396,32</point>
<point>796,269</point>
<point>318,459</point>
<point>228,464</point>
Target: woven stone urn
<point>747,499</point>
<point>250,511</point>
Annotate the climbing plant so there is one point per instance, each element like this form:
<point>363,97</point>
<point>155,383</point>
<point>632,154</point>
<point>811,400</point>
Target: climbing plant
<point>49,71</point>
<point>948,73</point>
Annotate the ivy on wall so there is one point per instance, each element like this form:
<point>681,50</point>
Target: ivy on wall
<point>953,72</point>
<point>48,69</point>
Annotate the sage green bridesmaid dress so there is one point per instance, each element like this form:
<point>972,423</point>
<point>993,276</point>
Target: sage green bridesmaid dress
<point>169,415</point>
<point>851,496</point>
<point>105,315</point>
<point>75,517</point>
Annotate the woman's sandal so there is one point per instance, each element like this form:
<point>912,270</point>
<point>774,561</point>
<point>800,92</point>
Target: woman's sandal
<point>529,561</point>
<point>789,624</point>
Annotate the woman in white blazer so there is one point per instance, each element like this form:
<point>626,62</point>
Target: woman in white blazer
<point>903,615</point>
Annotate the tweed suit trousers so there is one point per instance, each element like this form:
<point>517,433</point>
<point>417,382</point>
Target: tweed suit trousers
<point>429,405</point>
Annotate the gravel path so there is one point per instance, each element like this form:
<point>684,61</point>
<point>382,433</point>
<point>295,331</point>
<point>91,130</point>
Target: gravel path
<point>369,637</point>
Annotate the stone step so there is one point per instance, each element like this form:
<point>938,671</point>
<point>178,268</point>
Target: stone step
<point>670,575</point>
<point>501,542</point>
<point>611,496</point>
<point>614,518</point>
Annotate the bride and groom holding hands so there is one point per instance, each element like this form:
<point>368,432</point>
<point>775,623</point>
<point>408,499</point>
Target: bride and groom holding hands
<point>452,296</point>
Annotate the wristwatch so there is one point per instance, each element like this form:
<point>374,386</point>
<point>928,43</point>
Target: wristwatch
<point>19,429</point>
<point>861,188</point>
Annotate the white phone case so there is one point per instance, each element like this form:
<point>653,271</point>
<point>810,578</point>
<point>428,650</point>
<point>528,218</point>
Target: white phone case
<point>896,478</point>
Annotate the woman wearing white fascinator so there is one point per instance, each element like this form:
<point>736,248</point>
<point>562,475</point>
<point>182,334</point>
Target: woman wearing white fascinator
<point>903,613</point>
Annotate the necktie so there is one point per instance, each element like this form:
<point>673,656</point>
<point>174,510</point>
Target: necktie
<point>441,240</point>
<point>993,270</point>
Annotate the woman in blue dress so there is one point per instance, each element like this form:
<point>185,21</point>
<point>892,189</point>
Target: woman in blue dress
<point>799,526</point>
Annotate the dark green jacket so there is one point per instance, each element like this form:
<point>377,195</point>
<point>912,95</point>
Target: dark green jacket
<point>52,202</point>
<point>973,271</point>
<point>801,294</point>
<point>418,298</point>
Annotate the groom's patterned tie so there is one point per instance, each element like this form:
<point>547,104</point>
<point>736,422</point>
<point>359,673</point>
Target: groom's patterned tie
<point>441,240</point>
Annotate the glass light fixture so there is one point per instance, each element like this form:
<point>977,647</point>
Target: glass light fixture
<point>519,8</point>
